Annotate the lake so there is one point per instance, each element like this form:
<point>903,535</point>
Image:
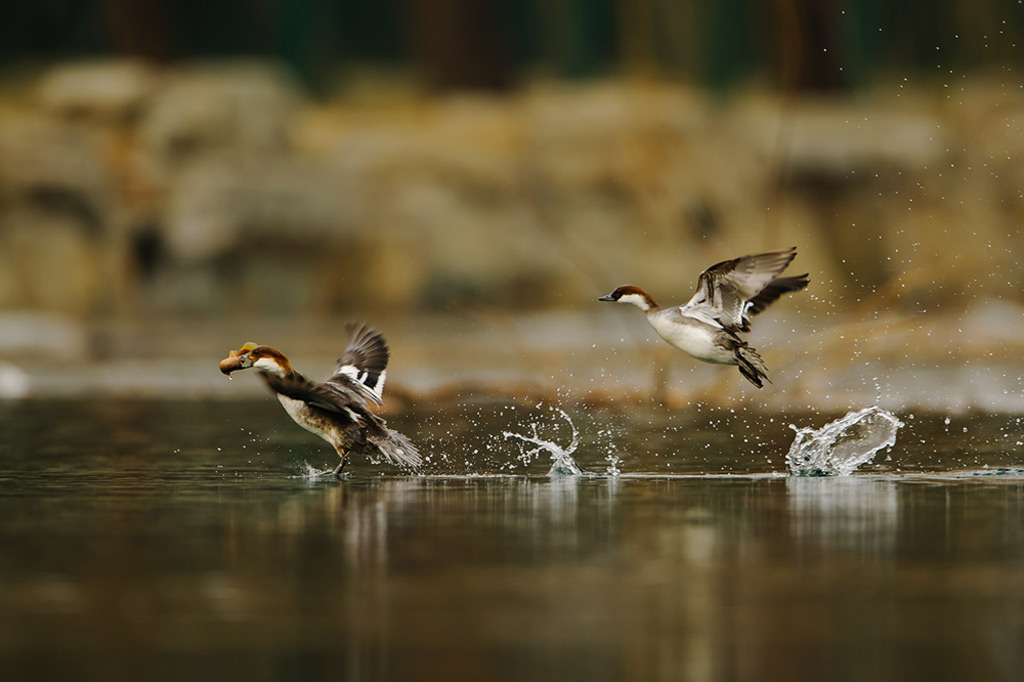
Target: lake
<point>192,540</point>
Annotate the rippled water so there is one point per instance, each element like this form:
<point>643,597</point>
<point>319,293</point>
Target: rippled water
<point>185,541</point>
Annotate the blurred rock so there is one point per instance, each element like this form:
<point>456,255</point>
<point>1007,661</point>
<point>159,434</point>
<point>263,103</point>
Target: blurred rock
<point>105,90</point>
<point>44,158</point>
<point>241,106</point>
<point>583,135</point>
<point>221,189</point>
<point>49,260</point>
<point>226,205</point>
<point>41,336</point>
<point>14,382</point>
<point>842,137</point>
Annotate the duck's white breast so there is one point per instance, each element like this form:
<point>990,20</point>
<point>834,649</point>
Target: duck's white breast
<point>692,336</point>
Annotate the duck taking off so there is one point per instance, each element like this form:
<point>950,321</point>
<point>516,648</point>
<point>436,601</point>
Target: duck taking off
<point>728,294</point>
<point>337,410</point>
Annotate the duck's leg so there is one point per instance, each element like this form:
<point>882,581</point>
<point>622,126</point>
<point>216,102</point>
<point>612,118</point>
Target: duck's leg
<point>346,442</point>
<point>341,465</point>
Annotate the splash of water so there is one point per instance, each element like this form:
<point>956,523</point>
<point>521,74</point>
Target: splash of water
<point>312,473</point>
<point>838,448</point>
<point>562,463</point>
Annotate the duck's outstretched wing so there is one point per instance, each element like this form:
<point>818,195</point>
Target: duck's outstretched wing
<point>334,396</point>
<point>777,287</point>
<point>363,367</point>
<point>733,290</point>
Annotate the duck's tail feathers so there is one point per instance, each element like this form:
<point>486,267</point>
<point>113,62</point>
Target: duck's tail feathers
<point>751,365</point>
<point>395,448</point>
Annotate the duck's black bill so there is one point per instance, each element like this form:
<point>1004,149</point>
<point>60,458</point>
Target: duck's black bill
<point>608,297</point>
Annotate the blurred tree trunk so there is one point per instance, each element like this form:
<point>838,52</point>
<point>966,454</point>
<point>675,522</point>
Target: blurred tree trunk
<point>460,44</point>
<point>141,28</point>
<point>809,44</point>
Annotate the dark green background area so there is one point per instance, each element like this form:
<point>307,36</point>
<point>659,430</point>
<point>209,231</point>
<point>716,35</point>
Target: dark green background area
<point>459,44</point>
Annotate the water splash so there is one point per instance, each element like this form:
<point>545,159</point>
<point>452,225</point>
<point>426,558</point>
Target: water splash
<point>307,470</point>
<point>562,463</point>
<point>312,473</point>
<point>838,448</point>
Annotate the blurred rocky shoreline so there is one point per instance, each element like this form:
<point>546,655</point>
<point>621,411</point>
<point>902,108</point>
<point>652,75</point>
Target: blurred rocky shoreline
<point>564,358</point>
<point>153,218</point>
<point>126,190</point>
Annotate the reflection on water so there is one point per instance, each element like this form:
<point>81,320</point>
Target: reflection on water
<point>144,542</point>
<point>860,514</point>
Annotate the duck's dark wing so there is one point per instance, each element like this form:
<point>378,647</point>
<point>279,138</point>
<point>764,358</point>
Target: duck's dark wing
<point>331,396</point>
<point>362,368</point>
<point>777,287</point>
<point>737,288</point>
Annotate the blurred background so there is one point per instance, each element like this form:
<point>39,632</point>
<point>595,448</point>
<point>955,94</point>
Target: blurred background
<point>177,178</point>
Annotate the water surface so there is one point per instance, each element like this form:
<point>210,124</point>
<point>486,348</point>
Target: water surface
<point>183,540</point>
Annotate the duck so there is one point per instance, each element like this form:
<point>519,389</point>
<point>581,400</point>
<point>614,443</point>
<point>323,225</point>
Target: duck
<point>728,295</point>
<point>338,409</point>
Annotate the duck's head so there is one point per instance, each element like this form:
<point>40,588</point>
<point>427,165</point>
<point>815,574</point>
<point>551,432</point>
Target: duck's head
<point>264,358</point>
<point>632,295</point>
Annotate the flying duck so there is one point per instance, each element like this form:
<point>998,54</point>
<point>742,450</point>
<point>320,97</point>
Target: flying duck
<point>728,294</point>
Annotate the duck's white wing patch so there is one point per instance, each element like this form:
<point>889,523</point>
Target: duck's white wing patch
<point>362,366</point>
<point>368,385</point>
